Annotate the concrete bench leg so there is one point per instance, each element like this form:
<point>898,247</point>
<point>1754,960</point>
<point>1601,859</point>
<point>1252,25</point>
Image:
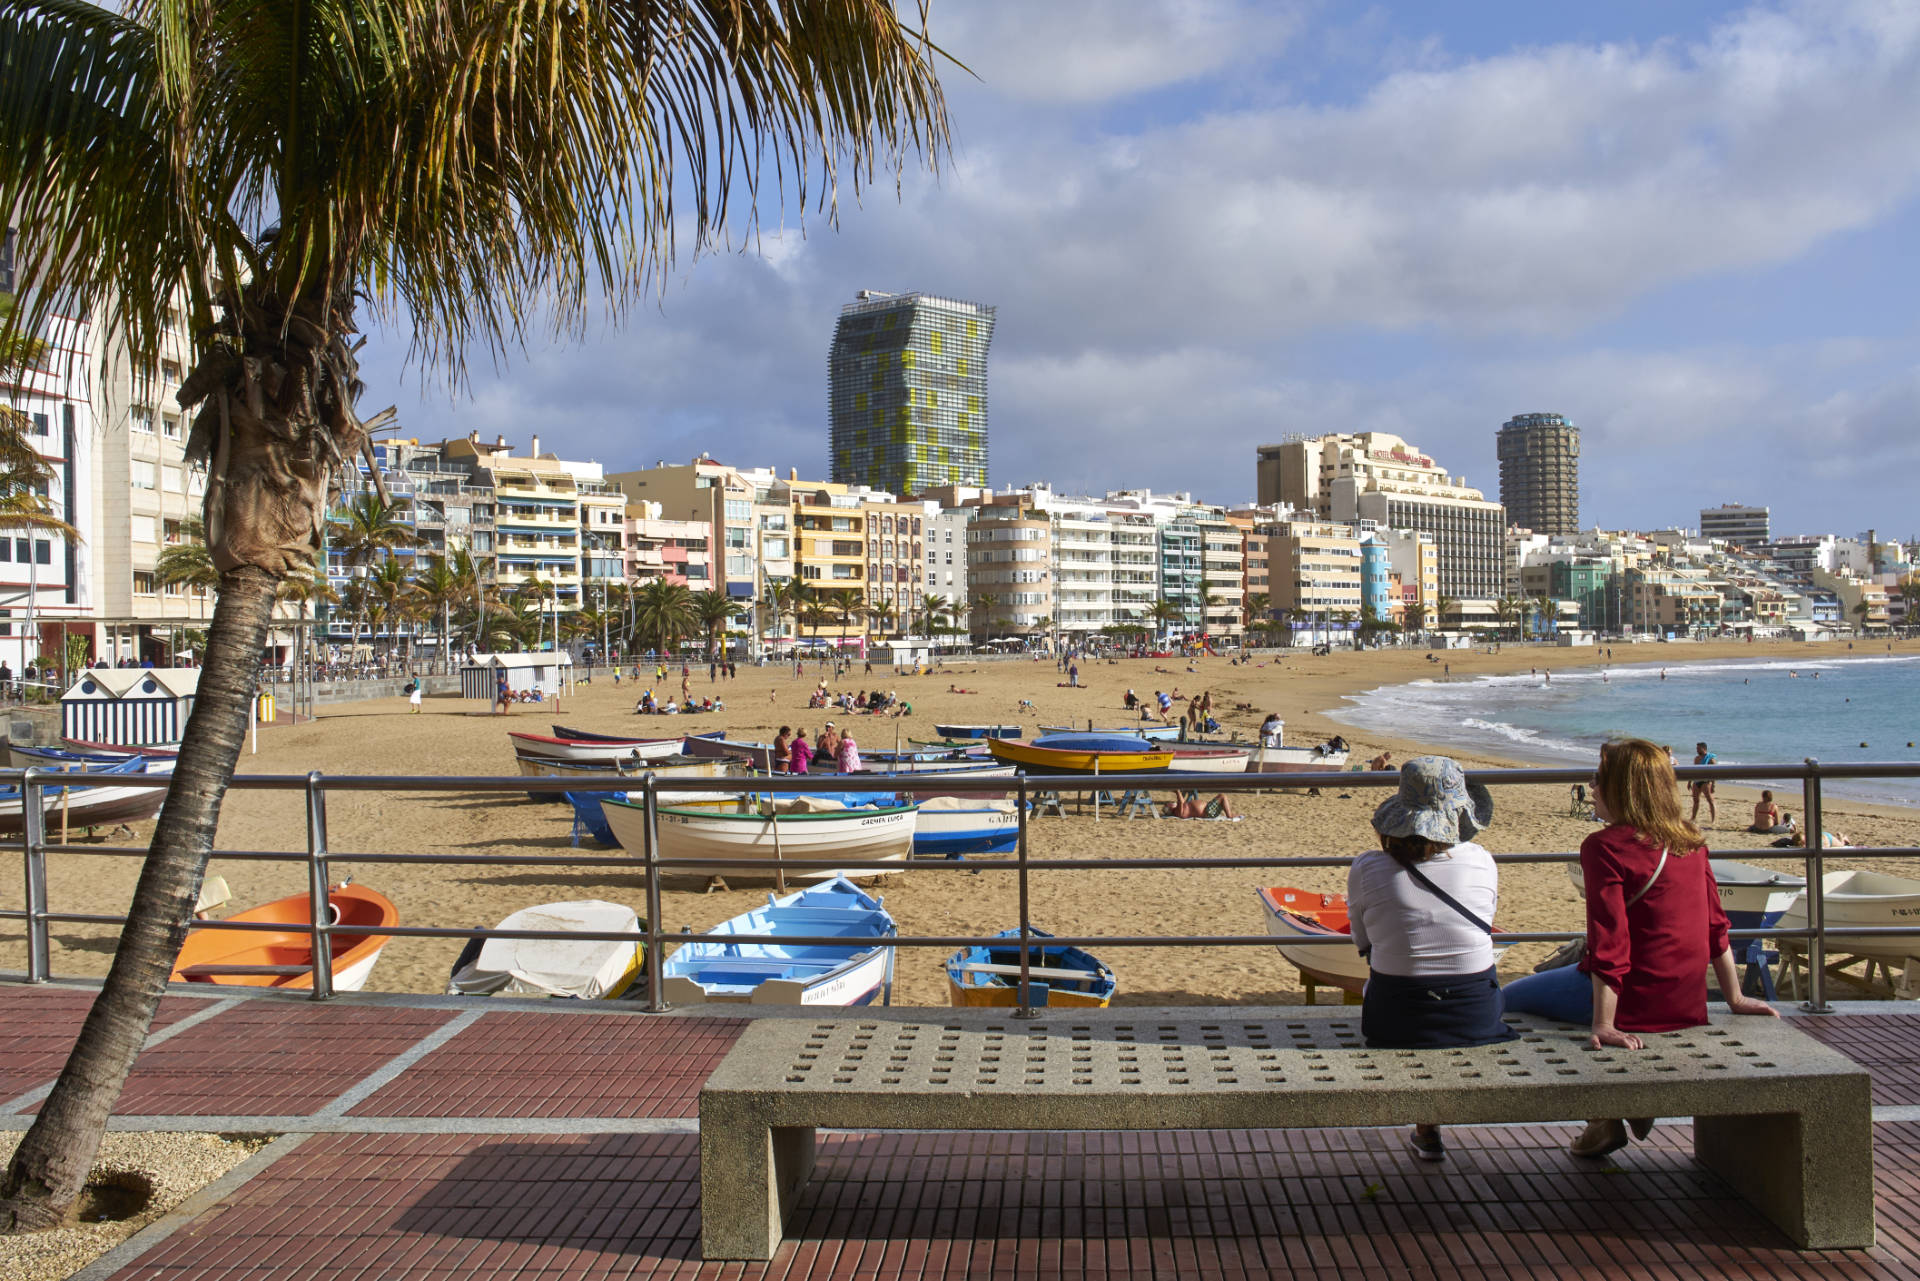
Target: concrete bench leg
<point>750,1176</point>
<point>1812,1174</point>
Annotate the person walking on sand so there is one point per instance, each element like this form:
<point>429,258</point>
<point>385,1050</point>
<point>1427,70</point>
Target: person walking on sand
<point>1421,910</point>
<point>1654,927</point>
<point>413,695</point>
<point>1703,788</point>
<point>501,694</point>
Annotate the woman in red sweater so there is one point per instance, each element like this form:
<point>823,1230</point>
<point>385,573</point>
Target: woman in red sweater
<point>1654,925</point>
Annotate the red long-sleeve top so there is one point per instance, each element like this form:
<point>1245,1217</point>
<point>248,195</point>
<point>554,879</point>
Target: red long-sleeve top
<point>1656,953</point>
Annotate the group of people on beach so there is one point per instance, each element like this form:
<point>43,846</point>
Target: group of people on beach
<point>1421,909</point>
<point>793,753</point>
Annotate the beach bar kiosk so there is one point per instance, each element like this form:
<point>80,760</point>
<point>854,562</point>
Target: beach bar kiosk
<point>129,706</point>
<point>548,674</point>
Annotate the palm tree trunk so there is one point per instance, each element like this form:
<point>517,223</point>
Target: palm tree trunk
<point>51,1163</point>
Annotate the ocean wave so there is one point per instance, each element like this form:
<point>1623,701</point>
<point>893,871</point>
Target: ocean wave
<point>1525,737</point>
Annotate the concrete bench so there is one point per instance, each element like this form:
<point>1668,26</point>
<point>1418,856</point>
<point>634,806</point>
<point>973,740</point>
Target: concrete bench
<point>1784,1120</point>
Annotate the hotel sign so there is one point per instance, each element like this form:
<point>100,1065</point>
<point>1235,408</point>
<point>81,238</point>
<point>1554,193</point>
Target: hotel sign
<point>1399,456</point>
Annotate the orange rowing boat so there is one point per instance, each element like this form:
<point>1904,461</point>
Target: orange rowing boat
<point>284,958</point>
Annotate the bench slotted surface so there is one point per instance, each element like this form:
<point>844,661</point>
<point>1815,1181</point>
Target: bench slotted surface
<point>1782,1118</point>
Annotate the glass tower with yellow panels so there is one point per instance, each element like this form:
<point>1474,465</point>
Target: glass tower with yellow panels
<point>907,392</point>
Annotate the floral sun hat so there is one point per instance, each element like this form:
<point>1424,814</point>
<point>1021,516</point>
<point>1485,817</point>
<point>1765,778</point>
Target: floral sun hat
<point>1435,801</point>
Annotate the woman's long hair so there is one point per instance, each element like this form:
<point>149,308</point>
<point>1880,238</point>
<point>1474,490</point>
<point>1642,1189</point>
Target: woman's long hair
<point>1641,792</point>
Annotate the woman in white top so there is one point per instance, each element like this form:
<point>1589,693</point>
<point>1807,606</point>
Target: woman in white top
<point>1421,909</point>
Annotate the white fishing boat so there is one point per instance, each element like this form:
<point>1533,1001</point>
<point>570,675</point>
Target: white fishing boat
<point>590,969</point>
<point>1272,758</point>
<point>1201,758</point>
<point>762,829</point>
<point>89,803</point>
<point>1754,898</point>
<point>1869,900</point>
<point>602,750</point>
<point>711,969</point>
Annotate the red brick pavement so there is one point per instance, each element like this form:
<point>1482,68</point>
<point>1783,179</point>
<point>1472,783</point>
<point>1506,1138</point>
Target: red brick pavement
<point>1342,1203</point>
<point>542,1065</point>
<point>38,1026</point>
<point>268,1058</point>
<point>1887,1045</point>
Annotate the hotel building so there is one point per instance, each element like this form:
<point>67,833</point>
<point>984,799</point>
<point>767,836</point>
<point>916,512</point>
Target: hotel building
<point>1540,472</point>
<point>1745,527</point>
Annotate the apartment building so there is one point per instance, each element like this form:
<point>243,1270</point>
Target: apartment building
<point>45,579</point>
<point>1742,526</point>
<point>1864,602</point>
<point>1315,568</point>
<point>1414,561</point>
<point>1669,599</point>
<point>1223,575</point>
<point>1009,567</point>
<point>946,545</point>
<point>1540,472</point>
<point>732,501</point>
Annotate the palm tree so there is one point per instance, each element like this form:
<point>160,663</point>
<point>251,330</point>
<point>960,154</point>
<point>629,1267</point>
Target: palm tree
<point>663,613</point>
<point>983,603</point>
<point>388,587</point>
<point>882,616</point>
<point>1165,613</point>
<point>1417,616</point>
<point>846,608</point>
<point>368,529</point>
<point>189,562</point>
<point>713,611</point>
<point>1443,606</point>
<point>438,588</point>
<point>264,165</point>
<point>783,598</point>
<point>1257,604</point>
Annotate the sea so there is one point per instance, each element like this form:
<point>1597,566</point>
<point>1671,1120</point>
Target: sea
<point>1836,710</point>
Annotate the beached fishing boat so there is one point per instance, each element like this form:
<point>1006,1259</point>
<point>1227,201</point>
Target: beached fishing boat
<point>1078,754</point>
<point>711,969</point>
<point>1321,758</point>
<point>588,969</point>
<point>1145,729</point>
<point>757,755</point>
<point>671,767</point>
<point>975,747</point>
<point>65,759</point>
<point>955,826</point>
<point>1056,976</point>
<point>748,839</point>
<point>116,749</point>
<point>1754,898</point>
<point>284,958</point>
<point>1203,759</point>
<point>91,803</point>
<point>603,751</point>
<point>1868,900</point>
<point>1301,914</point>
<point>977,731</point>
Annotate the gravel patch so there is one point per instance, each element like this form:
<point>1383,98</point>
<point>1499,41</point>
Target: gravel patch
<point>177,1165</point>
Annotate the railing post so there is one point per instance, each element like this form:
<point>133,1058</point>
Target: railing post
<point>319,904</point>
<point>1816,1001</point>
<point>656,1000</point>
<point>1025,1008</point>
<point>39,947</point>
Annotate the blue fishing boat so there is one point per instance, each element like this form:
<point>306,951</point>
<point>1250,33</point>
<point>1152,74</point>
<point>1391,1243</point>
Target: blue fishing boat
<point>710,969</point>
<point>1145,729</point>
<point>62,758</point>
<point>956,826</point>
<point>1056,975</point>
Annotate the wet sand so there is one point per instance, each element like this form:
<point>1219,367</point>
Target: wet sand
<point>453,737</point>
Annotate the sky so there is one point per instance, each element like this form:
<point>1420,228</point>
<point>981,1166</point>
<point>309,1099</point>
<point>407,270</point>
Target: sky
<point>1207,225</point>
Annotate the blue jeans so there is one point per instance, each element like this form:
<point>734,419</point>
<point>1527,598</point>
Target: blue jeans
<point>1564,995</point>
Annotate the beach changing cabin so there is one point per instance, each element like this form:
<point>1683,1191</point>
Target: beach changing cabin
<point>129,706</point>
<point>549,674</point>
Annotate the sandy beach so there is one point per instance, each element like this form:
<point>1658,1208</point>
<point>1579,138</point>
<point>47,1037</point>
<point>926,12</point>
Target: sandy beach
<point>452,737</point>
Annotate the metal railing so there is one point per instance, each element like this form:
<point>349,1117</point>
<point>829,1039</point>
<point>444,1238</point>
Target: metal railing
<point>38,913</point>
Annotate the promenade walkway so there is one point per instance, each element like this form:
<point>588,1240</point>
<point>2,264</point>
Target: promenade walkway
<point>425,1138</point>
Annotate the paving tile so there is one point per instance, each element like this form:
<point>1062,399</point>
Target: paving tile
<point>514,1064</point>
<point>270,1059</point>
<point>1887,1045</point>
<point>38,1026</point>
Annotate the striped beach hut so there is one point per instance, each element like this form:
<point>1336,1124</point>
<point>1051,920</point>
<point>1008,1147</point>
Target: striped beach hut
<point>550,674</point>
<point>129,706</point>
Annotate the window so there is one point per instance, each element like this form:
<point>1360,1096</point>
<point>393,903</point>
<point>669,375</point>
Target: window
<point>6,549</point>
<point>40,424</point>
<point>142,582</point>
<point>171,528</point>
<point>143,528</point>
<point>142,474</point>
<point>142,419</point>
<point>170,478</point>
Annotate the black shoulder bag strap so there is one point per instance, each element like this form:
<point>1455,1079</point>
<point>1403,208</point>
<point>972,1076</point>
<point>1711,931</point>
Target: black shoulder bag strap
<point>1448,899</point>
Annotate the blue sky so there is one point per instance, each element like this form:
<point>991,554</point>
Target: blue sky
<point>1209,224</point>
